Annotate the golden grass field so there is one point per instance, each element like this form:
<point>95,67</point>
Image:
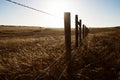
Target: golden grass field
<point>36,53</point>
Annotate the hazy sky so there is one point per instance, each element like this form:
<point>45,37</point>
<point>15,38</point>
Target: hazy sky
<point>94,13</point>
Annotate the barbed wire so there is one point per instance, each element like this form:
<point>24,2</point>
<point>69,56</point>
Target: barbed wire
<point>41,11</point>
<point>29,7</point>
<point>53,63</point>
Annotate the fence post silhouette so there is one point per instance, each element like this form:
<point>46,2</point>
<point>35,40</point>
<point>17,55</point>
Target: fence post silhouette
<point>67,27</point>
<point>76,30</point>
<point>86,30</point>
<point>80,37</point>
<point>83,31</point>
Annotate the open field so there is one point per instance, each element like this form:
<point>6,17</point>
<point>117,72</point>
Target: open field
<point>36,53</point>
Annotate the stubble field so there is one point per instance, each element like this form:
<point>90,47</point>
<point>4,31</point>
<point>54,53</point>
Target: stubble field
<point>35,53</point>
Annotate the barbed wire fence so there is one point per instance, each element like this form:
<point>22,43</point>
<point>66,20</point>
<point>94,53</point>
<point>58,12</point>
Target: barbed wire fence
<point>81,31</point>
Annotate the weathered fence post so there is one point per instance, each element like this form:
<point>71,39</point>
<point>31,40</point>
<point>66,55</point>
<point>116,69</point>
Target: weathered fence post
<point>67,27</point>
<point>76,30</point>
<point>83,31</point>
<point>86,30</point>
<point>80,24</point>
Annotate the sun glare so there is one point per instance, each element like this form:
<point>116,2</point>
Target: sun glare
<point>57,7</point>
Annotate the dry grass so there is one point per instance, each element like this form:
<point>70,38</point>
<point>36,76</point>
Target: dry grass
<point>26,53</point>
<point>99,58</point>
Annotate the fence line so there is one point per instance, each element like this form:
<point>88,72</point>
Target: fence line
<point>80,30</point>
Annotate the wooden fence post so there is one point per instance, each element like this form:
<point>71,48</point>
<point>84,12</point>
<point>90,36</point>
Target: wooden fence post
<point>76,30</point>
<point>83,31</point>
<point>67,27</point>
<point>86,31</point>
<point>80,24</point>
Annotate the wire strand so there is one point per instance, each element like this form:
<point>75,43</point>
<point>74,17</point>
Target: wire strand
<point>47,68</point>
<point>62,73</point>
<point>31,8</point>
<point>53,62</point>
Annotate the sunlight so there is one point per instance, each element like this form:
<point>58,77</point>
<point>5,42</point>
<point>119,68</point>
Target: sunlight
<point>57,7</point>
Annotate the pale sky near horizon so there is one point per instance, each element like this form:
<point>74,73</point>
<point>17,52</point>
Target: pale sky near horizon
<point>94,13</point>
